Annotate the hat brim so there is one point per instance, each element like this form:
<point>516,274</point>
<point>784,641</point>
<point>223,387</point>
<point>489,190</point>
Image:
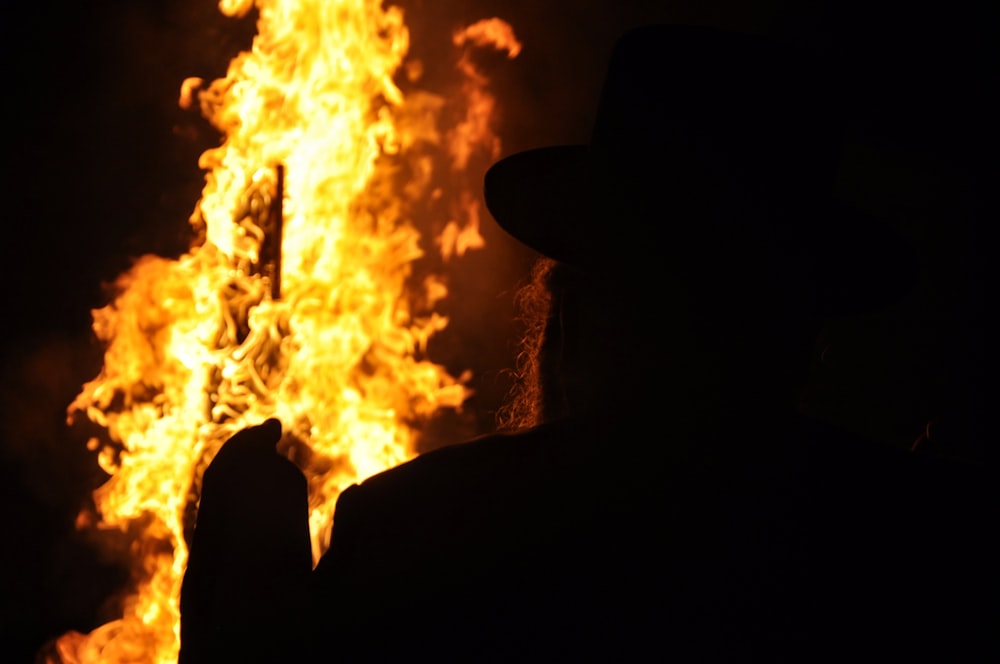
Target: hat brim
<point>544,198</point>
<point>536,197</point>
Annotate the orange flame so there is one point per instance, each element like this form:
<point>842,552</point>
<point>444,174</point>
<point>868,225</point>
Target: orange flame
<point>198,348</point>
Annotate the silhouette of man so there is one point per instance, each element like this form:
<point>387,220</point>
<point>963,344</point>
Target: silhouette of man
<point>667,501</point>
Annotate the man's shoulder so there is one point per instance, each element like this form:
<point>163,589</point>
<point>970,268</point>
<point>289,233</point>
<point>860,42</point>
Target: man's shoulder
<point>452,470</point>
<point>448,514</point>
<point>457,492</point>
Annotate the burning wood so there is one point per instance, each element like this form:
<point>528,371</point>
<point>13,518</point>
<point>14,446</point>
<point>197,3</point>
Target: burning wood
<point>261,212</point>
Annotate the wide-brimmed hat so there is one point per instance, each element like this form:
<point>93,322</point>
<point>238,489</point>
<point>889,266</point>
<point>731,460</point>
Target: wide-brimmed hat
<point>703,137</point>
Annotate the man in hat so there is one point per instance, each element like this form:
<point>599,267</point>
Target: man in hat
<point>665,500</point>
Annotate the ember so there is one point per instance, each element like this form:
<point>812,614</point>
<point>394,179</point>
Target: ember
<point>297,301</point>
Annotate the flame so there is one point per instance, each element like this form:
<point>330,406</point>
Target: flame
<point>200,347</point>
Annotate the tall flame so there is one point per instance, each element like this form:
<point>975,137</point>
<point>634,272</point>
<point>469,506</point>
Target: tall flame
<point>199,347</point>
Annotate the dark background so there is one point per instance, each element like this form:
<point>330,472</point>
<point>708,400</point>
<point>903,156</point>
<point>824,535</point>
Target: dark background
<point>100,167</point>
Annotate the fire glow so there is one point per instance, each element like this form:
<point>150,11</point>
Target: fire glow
<point>327,332</point>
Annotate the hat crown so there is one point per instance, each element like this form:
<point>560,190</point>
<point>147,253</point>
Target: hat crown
<point>738,107</point>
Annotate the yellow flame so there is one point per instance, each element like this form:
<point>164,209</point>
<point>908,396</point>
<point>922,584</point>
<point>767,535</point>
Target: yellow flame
<point>199,347</point>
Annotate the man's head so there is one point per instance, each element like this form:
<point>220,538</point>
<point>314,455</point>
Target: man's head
<point>698,231</point>
<point>707,145</point>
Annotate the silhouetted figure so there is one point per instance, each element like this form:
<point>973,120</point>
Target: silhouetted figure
<point>668,502</point>
<point>247,576</point>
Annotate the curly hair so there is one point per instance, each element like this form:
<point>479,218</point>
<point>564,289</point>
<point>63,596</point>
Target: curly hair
<point>534,397</point>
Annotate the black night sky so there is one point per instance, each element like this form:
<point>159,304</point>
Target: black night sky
<point>100,166</point>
